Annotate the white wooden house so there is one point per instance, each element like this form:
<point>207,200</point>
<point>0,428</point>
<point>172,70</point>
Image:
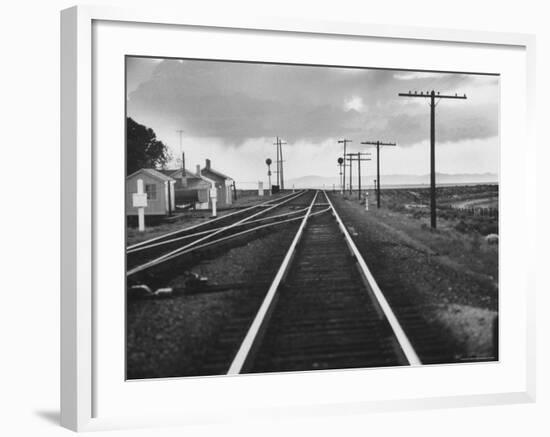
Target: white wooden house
<point>191,188</point>
<point>223,184</point>
<point>160,190</point>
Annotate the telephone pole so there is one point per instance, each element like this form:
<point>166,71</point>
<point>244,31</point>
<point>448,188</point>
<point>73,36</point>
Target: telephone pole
<point>357,157</point>
<point>280,173</point>
<point>180,131</point>
<point>278,163</point>
<point>344,142</point>
<point>281,143</point>
<point>378,143</point>
<point>432,95</point>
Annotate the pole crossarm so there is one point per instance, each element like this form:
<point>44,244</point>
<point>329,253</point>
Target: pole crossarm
<point>355,158</point>
<point>429,95</point>
<point>378,143</point>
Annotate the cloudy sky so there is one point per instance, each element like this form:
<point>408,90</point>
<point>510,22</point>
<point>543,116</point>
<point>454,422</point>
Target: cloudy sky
<point>231,113</point>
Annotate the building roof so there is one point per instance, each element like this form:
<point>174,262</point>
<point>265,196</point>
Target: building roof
<point>156,174</point>
<point>168,172</point>
<point>174,173</point>
<point>197,184</point>
<point>215,173</point>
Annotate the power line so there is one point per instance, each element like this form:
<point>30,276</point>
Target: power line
<point>378,143</point>
<point>432,95</point>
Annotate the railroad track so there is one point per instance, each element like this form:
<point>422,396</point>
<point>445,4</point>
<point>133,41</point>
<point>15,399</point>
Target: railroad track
<point>323,310</point>
<point>159,250</point>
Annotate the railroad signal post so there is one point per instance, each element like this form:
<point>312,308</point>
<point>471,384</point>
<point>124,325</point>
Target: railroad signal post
<point>378,143</point>
<point>214,200</point>
<point>432,95</point>
<point>356,157</point>
<point>340,161</point>
<point>345,143</point>
<point>268,162</point>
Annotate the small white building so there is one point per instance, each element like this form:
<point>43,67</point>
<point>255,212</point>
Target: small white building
<point>223,184</point>
<point>191,188</point>
<point>160,190</point>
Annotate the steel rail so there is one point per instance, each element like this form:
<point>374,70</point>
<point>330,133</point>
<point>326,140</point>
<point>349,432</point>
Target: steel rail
<point>402,339</point>
<point>251,340</point>
<point>262,316</point>
<point>247,231</point>
<point>175,252</point>
<point>268,202</point>
<point>208,231</point>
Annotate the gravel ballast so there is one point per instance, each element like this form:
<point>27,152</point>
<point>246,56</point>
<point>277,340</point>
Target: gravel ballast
<point>452,295</point>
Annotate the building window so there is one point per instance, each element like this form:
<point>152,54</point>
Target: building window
<point>151,190</point>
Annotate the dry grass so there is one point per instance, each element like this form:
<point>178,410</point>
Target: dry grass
<point>472,326</point>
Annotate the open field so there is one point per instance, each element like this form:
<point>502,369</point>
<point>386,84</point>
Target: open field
<point>458,206</point>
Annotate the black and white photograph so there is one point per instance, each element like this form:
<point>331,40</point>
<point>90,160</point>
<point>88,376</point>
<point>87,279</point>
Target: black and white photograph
<point>290,218</point>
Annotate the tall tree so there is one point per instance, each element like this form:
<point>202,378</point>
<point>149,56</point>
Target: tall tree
<point>143,150</point>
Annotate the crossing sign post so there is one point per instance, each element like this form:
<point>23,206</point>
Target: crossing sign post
<point>139,201</point>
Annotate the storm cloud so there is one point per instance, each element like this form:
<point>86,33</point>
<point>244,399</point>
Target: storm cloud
<point>238,102</point>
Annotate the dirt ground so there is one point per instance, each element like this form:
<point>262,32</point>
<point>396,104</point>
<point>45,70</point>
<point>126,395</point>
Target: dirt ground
<point>452,277</point>
<point>173,336</point>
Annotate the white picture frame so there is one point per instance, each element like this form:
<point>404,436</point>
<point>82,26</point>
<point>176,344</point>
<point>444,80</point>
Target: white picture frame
<point>79,402</point>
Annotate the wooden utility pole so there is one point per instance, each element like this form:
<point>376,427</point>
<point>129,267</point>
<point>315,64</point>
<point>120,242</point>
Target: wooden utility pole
<point>357,157</point>
<point>280,172</point>
<point>344,142</point>
<point>278,163</point>
<point>281,143</point>
<point>180,131</point>
<point>378,143</point>
<point>432,95</point>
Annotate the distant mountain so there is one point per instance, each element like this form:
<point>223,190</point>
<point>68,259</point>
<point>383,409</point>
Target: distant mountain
<point>314,181</point>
